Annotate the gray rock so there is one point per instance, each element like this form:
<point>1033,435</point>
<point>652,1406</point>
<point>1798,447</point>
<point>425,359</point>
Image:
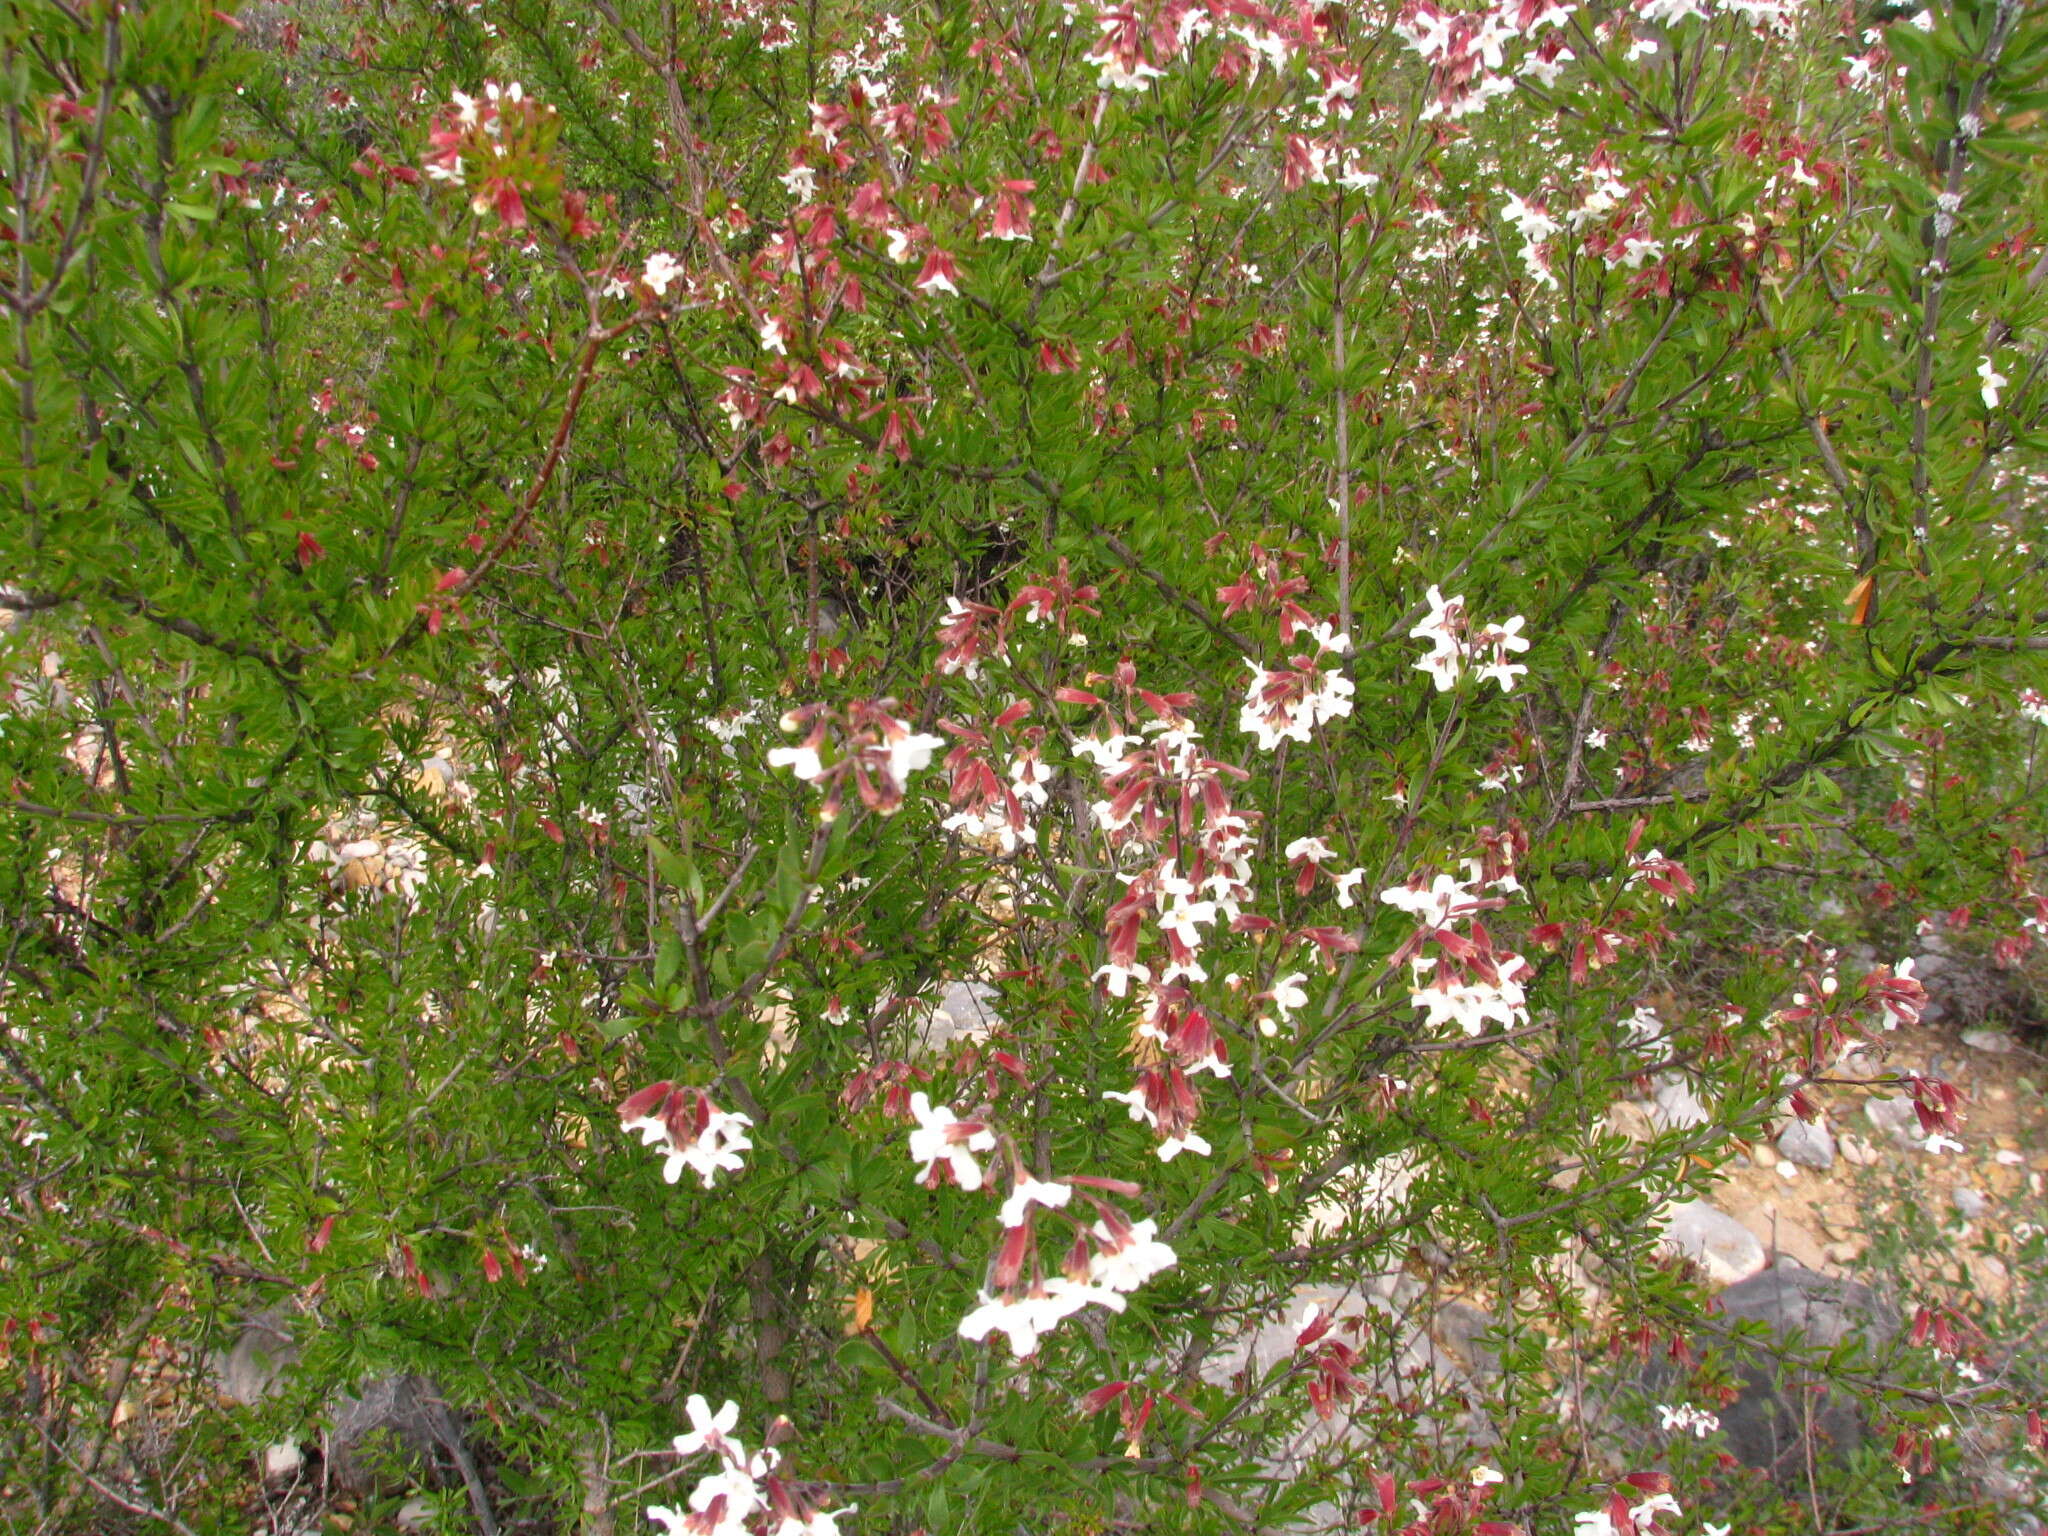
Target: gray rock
<point>1810,1144</point>
<point>262,1352</point>
<point>1722,1246</point>
<point>1894,1117</point>
<point>388,1434</point>
<point>1971,1201</point>
<point>1677,1107</point>
<point>1462,1328</point>
<point>965,1011</point>
<point>1993,1042</point>
<point>1784,1409</point>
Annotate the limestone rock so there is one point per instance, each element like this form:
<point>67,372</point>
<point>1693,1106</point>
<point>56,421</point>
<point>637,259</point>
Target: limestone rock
<point>1677,1107</point>
<point>1810,1144</point>
<point>1722,1246</point>
<point>1894,1117</point>
<point>966,1010</point>
<point>264,1350</point>
<point>1781,1403</point>
<point>387,1435</point>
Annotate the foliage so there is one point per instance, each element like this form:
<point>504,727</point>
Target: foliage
<point>525,594</point>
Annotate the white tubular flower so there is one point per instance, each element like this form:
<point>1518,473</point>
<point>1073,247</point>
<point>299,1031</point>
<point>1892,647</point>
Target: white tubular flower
<point>1994,381</point>
<point>660,273</point>
<point>1134,1101</point>
<point>942,1137</point>
<point>1029,1192</point>
<point>1018,1321</point>
<point>708,1430</point>
<point>1124,1264</point>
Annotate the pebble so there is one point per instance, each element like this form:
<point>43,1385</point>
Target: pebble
<point>1993,1042</point>
<point>1763,1156</point>
<point>1856,1150</point>
<point>1972,1202</point>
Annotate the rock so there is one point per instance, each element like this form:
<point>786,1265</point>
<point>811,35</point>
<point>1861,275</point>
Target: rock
<point>1786,1238</point>
<point>1856,1150</point>
<point>1971,1202</point>
<point>1860,1063</point>
<point>1712,1239</point>
<point>1763,1156</point>
<point>965,1011</point>
<point>282,1460</point>
<point>386,1435</point>
<point>1631,1120</point>
<point>1844,1252</point>
<point>1894,1117</point>
<point>1461,1328</point>
<point>1993,1042</point>
<point>251,1370</point>
<point>1988,1275</point>
<point>1677,1107</point>
<point>1810,1144</point>
<point>1781,1403</point>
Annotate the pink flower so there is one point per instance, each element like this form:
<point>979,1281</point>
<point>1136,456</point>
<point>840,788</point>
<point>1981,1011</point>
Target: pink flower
<point>938,273</point>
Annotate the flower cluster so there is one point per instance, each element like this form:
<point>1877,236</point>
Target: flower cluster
<point>1467,50</point>
<point>864,745</point>
<point>987,804</point>
<point>1469,980</point>
<point>499,147</point>
<point>744,1486</point>
<point>1288,705</point>
<point>1108,1259</point>
<point>971,633</point>
<point>693,1132</point>
<point>1455,643</point>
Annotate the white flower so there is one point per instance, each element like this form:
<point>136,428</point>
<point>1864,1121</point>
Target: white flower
<point>1135,1102</point>
<point>1029,1192</point>
<point>800,182</point>
<point>1106,755</point>
<point>1128,1266</point>
<point>1313,849</point>
<point>802,760</point>
<point>661,270</point>
<point>1994,381</point>
<point>1173,1146</point>
<point>1483,1475</point>
<point>941,1136</point>
<point>741,1493</point>
<point>1531,220</point>
<point>823,1522</point>
<point>1687,1419</point>
<point>1348,882</point>
<point>708,1431</point>
<point>774,335</point>
<point>1018,1321</point>
<point>1432,907</point>
<point>1440,627</point>
<point>716,1150</point>
<point>1119,977</point>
